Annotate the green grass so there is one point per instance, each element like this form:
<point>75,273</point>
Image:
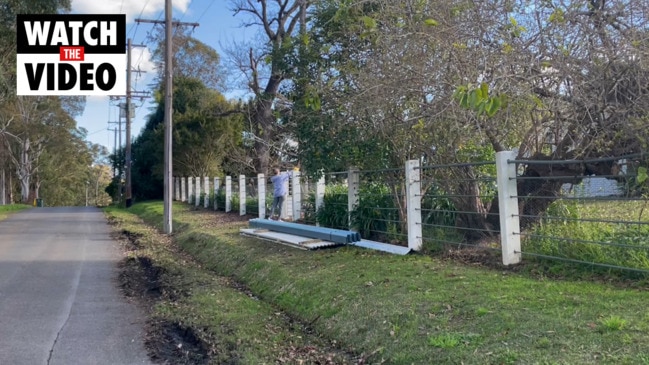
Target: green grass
<point>628,232</point>
<point>6,210</point>
<point>413,309</point>
<point>235,326</point>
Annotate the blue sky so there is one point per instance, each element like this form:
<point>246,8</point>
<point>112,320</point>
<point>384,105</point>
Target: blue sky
<point>218,27</point>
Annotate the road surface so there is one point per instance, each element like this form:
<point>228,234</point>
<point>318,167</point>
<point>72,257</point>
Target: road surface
<point>59,301</point>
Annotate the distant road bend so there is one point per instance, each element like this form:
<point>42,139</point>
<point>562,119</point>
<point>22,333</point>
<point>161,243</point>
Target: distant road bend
<point>59,301</point>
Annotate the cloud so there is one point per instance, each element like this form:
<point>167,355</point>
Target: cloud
<point>132,8</point>
<point>141,59</point>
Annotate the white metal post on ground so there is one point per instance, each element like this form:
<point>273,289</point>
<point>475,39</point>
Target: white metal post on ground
<point>353,186</point>
<point>242,194</point>
<point>197,182</point>
<point>319,195</point>
<point>228,194</point>
<point>510,239</point>
<point>297,196</point>
<point>206,188</point>
<point>413,204</point>
<point>261,195</point>
<point>217,186</point>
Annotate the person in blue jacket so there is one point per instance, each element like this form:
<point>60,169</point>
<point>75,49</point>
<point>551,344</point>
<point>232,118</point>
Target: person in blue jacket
<point>280,190</point>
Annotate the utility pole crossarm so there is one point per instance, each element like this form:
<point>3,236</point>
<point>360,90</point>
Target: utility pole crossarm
<point>175,23</point>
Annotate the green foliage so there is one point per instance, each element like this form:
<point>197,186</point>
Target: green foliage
<point>437,209</point>
<point>334,213</point>
<point>205,132</point>
<point>376,216</point>
<point>609,239</point>
<point>477,98</point>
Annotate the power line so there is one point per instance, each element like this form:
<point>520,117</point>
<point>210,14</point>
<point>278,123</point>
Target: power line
<point>205,11</point>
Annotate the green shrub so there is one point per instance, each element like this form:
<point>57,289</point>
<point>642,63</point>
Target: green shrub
<point>377,216</point>
<point>437,209</point>
<point>334,213</point>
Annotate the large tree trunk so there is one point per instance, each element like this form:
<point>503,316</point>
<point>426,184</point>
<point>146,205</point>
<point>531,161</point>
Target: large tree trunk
<point>265,121</point>
<point>473,224</point>
<point>11,190</point>
<point>24,171</point>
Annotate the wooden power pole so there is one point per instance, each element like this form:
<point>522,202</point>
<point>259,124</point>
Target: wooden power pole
<point>168,123</point>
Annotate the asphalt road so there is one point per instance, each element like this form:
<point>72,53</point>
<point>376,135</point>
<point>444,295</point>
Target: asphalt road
<point>59,300</point>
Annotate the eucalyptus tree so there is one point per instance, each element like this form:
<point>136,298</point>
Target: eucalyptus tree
<point>8,100</point>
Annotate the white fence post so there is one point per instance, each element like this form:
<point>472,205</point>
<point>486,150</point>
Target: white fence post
<point>183,189</point>
<point>353,186</point>
<point>297,196</point>
<point>319,195</point>
<point>228,194</point>
<point>187,189</point>
<point>206,188</point>
<point>197,183</point>
<point>176,188</point>
<point>261,195</point>
<point>413,204</point>
<point>192,190</point>
<point>242,194</point>
<point>510,239</point>
<point>217,186</point>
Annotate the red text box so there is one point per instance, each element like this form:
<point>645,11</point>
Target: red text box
<point>71,54</point>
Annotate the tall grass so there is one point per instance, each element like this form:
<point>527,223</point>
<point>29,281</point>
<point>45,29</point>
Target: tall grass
<point>607,243</point>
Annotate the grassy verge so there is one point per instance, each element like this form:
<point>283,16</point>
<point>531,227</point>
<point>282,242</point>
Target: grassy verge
<point>197,317</point>
<point>5,210</point>
<point>414,309</point>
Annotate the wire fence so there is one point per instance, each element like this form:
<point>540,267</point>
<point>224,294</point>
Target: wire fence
<point>459,205</point>
<point>591,212</point>
<point>380,210</point>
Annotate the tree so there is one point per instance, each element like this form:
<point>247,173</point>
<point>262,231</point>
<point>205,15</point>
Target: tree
<point>268,67</point>
<point>570,79</point>
<point>70,165</point>
<point>25,122</point>
<point>191,59</point>
<point>205,132</point>
<point>35,123</point>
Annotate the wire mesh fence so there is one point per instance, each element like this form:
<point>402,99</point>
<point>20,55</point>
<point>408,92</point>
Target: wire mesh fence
<point>591,212</point>
<point>459,205</point>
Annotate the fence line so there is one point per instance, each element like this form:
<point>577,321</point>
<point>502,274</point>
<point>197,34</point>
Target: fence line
<point>486,204</point>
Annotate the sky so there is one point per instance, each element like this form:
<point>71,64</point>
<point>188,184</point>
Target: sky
<point>217,27</point>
